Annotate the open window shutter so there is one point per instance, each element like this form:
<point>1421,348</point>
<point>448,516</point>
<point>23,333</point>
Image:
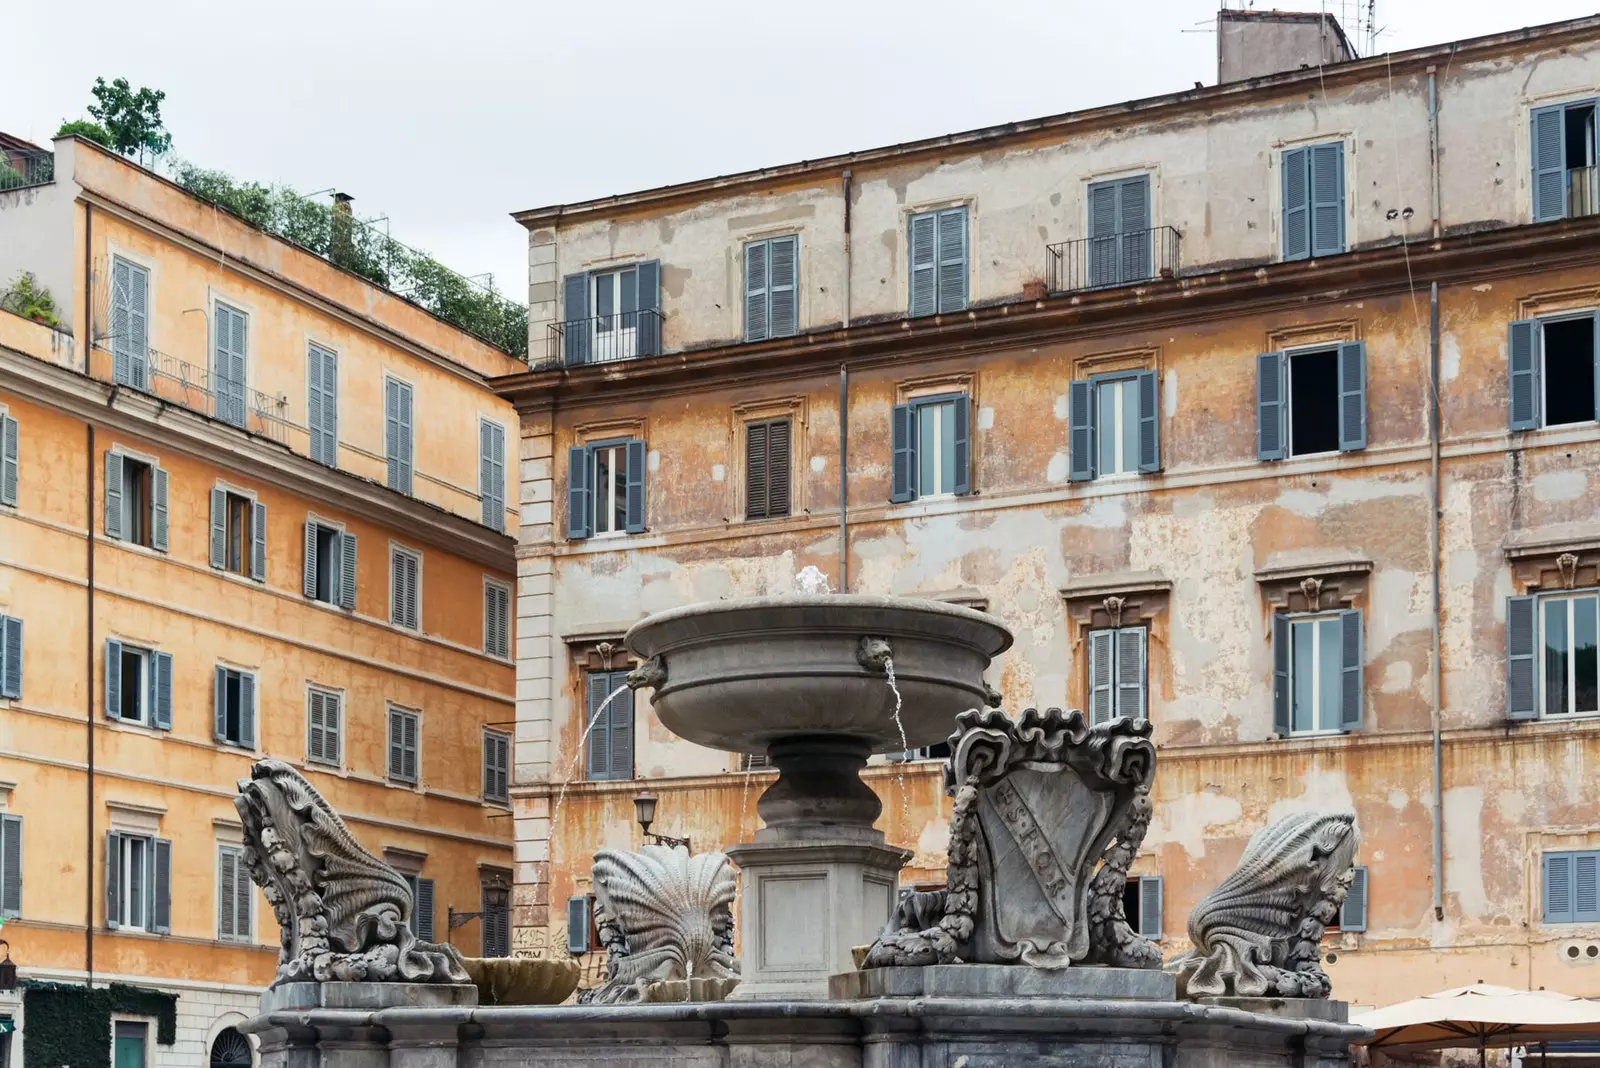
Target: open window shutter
<point>347,571</point>
<point>413,773</point>
<point>1522,352</point>
<point>1133,224</point>
<point>10,656</point>
<point>1150,906</point>
<point>113,678</point>
<point>314,400</point>
<point>121,332</point>
<point>114,880</point>
<point>779,476</point>
<point>1280,674</point>
<point>1149,422</point>
<point>1327,199</point>
<point>783,313</point>
<point>247,710</point>
<point>1549,165</point>
<point>397,750</point>
<point>241,897</point>
<point>647,339</point>
<point>621,732</point>
<point>493,476</point>
<point>158,510</point>
<point>924,264</point>
<point>577,925</point>
<point>219,528</point>
<point>308,570</point>
<point>330,409</point>
<point>113,519</point>
<point>1352,396</point>
<point>407,446</point>
<point>953,260</point>
<point>258,541</point>
<point>599,757</point>
<point>635,501</point>
<point>579,514</point>
<point>1522,660</point>
<point>1296,204</point>
<point>1586,887</point>
<point>575,316</point>
<point>8,460</point>
<point>227,893</point>
<point>219,704</point>
<point>756,319</point>
<point>10,865</point>
<point>1557,888</point>
<point>903,449</point>
<point>1102,675</point>
<point>1080,431</point>
<point>1131,672</point>
<point>138,325</point>
<point>161,899</point>
<point>962,444</point>
<point>1350,661</point>
<point>1270,407</point>
<point>1353,913</point>
<point>314,731</point>
<point>755,470</point>
<point>424,908</point>
<point>391,430</point>
<point>1102,246</point>
<point>161,688</point>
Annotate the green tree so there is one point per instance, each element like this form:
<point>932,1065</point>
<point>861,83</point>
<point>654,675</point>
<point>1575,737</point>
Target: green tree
<point>84,128</point>
<point>133,119</point>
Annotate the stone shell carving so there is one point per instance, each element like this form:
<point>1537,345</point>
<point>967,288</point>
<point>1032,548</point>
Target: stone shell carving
<point>662,915</point>
<point>342,913</point>
<point>1259,933</point>
<point>1049,813</point>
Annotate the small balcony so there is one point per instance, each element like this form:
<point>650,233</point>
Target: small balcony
<point>605,338</point>
<point>24,167</point>
<point>1583,194</point>
<point>170,379</point>
<point>1116,260</point>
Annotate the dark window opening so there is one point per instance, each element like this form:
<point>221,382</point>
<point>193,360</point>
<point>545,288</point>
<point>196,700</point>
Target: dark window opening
<point>233,709</point>
<point>1313,402</point>
<point>327,564</point>
<point>132,696</point>
<point>1578,135</point>
<point>1569,361</point>
<point>1130,902</point>
<point>136,501</point>
<point>238,534</point>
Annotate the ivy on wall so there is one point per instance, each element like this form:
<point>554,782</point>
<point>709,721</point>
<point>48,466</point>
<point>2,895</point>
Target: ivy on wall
<point>68,1026</point>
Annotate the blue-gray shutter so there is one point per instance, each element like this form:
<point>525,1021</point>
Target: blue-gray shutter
<point>756,326</point>
<point>158,509</point>
<point>1281,723</point>
<point>1586,887</point>
<point>962,444</point>
<point>161,898</point>
<point>1596,336</point>
<point>783,317</point>
<point>247,710</point>
<point>1102,671</point>
<point>578,925</point>
<point>161,689</point>
<point>635,501</point>
<point>219,527</point>
<point>1149,423</point>
<point>113,880</point>
<point>621,715</point>
<point>423,909</point>
<point>599,755</point>
<point>1103,244</point>
<point>9,466</point>
<point>492,474</point>
<point>113,518</point>
<point>258,541</point>
<point>1549,164</point>
<point>308,570</point>
<point>1352,396</point>
<point>575,318</point>
<point>952,259</point>
<point>1557,888</point>
<point>10,866</point>
<point>647,339</point>
<point>121,341</point>
<point>1297,204</point>
<point>322,404</point>
<point>1133,224</point>
<point>397,434</point>
<point>219,703</point>
<point>580,515</point>
<point>1353,913</point>
<point>1522,352</point>
<point>1081,453</point>
<point>924,253</point>
<point>113,678</point>
<point>1131,672</point>
<point>1150,907</point>
<point>10,656</point>
<point>228,365</point>
<point>1350,675</point>
<point>1327,199</point>
<point>1270,407</point>
<point>1522,658</point>
<point>903,454</point>
<point>347,571</point>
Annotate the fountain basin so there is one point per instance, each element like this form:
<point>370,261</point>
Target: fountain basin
<point>743,674</point>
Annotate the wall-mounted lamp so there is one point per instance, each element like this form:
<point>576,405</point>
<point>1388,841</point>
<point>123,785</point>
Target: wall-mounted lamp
<point>8,971</point>
<point>644,810</point>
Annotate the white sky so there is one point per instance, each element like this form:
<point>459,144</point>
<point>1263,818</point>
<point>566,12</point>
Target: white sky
<point>446,117</point>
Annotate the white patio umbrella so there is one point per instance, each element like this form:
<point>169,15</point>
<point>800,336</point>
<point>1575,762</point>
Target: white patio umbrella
<point>1481,1016</point>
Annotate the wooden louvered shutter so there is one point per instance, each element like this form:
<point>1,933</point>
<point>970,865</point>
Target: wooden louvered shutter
<point>219,528</point>
<point>599,756</point>
<point>1557,889</point>
<point>782,286</point>
<point>113,512</point>
<point>113,673</point>
<point>158,509</point>
<point>10,656</point>
<point>756,304</point>
<point>1353,913</point>
<point>408,722</point>
<point>113,880</point>
<point>1133,226</point>
<point>1522,659</point>
<point>322,404</point>
<point>1352,396</point>
<point>1281,697</point>
<point>903,454</point>
<point>580,514</point>
<point>1586,887</point>
<point>647,338</point>
<point>161,689</point>
<point>10,866</point>
<point>1270,407</point>
<point>492,474</point>
<point>1101,252</point>
<point>1296,204</point>
<point>952,260</point>
<point>423,909</point>
<point>1150,893</point>
<point>1131,672</point>
<point>755,470</point>
<point>635,487</point>
<point>1149,422</point>
<point>258,541</point>
<point>1081,458</point>
<point>778,467</point>
<point>247,710</point>
<point>227,893</point>
<point>9,463</point>
<point>308,569</point>
<point>1522,352</point>
<point>347,571</point>
<point>397,745</point>
<point>1350,669</point>
<point>961,444</point>
<point>1102,675</point>
<point>578,925</point>
<point>1327,199</point>
<point>575,318</point>
<point>219,704</point>
<point>161,884</point>
<point>924,264</point>
<point>121,330</point>
<point>1549,164</point>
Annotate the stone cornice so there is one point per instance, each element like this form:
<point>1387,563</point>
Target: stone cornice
<point>249,456</point>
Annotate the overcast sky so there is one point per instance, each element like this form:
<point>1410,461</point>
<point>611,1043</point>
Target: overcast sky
<point>448,116</point>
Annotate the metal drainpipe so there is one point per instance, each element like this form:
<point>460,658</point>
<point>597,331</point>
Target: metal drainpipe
<point>847,250</point>
<point>1433,150</point>
<point>844,478</point>
<point>1433,553</point>
<point>88,658</point>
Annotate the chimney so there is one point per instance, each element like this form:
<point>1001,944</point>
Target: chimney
<point>341,249</point>
<point>1254,44</point>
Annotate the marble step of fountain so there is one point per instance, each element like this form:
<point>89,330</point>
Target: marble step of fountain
<point>1003,981</point>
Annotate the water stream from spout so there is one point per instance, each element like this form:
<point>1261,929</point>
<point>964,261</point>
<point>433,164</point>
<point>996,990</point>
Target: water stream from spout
<point>744,794</point>
<point>905,748</point>
<point>583,740</point>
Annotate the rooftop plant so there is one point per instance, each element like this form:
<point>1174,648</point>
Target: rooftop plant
<point>27,298</point>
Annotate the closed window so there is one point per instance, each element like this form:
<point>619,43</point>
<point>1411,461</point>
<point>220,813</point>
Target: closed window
<point>605,489</point>
<point>421,919</point>
<point>329,570</point>
<point>1551,646</point>
<point>1119,250</point>
<point>1141,905</point>
<point>403,731</point>
<point>130,1044</point>
<point>1317,662</point>
<point>496,766</point>
<point>580,925</point>
<point>938,261</point>
<point>322,404</point>
<point>1118,670</point>
<point>609,725</point>
<point>234,707</point>
<point>932,447</point>
<point>1113,425</point>
<point>492,473</point>
<point>324,726</point>
<point>10,463</point>
<point>1313,201</point>
<point>228,364</point>
<point>611,314</point>
<point>138,685</point>
<point>1571,890</point>
<point>397,441</point>
<point>496,619</point>
<point>135,501</point>
<point>770,268</point>
<point>10,866</point>
<point>130,323</point>
<point>1353,913</point>
<point>1563,153</point>
<point>405,569</point>
<point>138,882</point>
<point>496,919</point>
<point>10,656</point>
<point>233,895</point>
<point>238,534</point>
<point>766,471</point>
<point>1311,401</point>
<point>1554,371</point>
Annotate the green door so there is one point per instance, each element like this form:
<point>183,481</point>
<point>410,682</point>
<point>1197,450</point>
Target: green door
<point>129,1047</point>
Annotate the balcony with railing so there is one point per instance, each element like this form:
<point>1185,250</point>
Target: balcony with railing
<point>24,167</point>
<point>1123,259</point>
<point>1583,192</point>
<point>605,338</point>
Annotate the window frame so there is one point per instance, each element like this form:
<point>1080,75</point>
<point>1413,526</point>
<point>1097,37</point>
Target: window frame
<point>1315,620</point>
<point>400,468</point>
<point>1571,597</point>
<point>766,292</point>
<point>247,936</point>
<point>144,656</point>
<point>1343,143</point>
<point>1544,321</point>
<point>618,485</point>
<point>314,690</point>
<point>1128,387</point>
<point>223,674</point>
<point>937,214</point>
<point>150,509</point>
<point>390,775</point>
<point>146,920</point>
<point>141,381</point>
<point>397,551</point>
<point>492,507</point>
<point>318,353</point>
<point>1116,686</point>
<point>614,680</point>
<point>1534,170</point>
<point>508,617</point>
<point>768,511</point>
<point>1289,355</point>
<point>490,737</point>
<point>220,304</point>
<point>1572,857</point>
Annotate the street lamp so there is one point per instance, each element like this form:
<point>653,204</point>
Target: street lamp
<point>8,971</point>
<point>644,810</point>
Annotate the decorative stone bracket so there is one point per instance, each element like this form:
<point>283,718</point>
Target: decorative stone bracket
<point>1563,557</point>
<point>1313,580</point>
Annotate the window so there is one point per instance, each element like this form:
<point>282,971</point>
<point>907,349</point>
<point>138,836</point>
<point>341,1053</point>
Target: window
<point>492,473</point>
<point>496,919</point>
<point>9,467</point>
<point>755,762</point>
<point>766,470</point>
<point>322,404</point>
<point>1555,371</point>
<point>1551,644</point>
<point>580,925</point>
<point>405,568</point>
<point>10,656</point>
<point>605,489</point>
<point>229,1049</point>
<point>397,443</point>
<point>612,314</point>
<point>329,571</point>
<point>1311,401</point>
<point>932,447</point>
<point>421,919</point>
<point>228,366</point>
<point>402,745</point>
<point>1313,201</point>
<point>138,882</point>
<point>138,685</point>
<point>130,323</point>
<point>1119,232</point>
<point>1353,913</point>
<point>1563,161</point>
<point>938,261</point>
<point>609,725</point>
<point>496,619</point>
<point>129,1044</point>
<point>233,895</point>
<point>496,766</point>
<point>234,707</point>
<point>1117,673</point>
<point>1141,905</point>
<point>936,751</point>
<point>238,534</point>
<point>136,501</point>
<point>770,268</point>
<point>1113,425</point>
<point>1571,887</point>
<point>10,866</point>
<point>323,715</point>
<point>1316,664</point>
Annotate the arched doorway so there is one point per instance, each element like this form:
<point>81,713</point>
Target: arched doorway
<point>230,1049</point>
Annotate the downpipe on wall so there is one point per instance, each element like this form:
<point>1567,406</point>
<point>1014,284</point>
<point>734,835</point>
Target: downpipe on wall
<point>88,657</point>
<point>844,478</point>
<point>1433,560</point>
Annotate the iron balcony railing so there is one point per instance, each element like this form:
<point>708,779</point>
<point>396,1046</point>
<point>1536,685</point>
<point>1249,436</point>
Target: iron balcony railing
<point>1115,260</point>
<point>606,338</point>
<point>22,167</point>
